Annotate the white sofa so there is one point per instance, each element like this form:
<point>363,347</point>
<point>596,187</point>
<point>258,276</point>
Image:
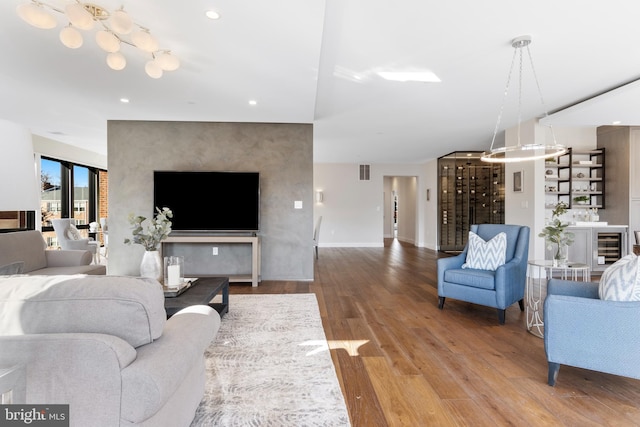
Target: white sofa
<point>103,345</point>
<point>28,249</point>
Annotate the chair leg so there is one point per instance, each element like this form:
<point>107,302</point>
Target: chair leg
<point>501,315</point>
<point>441,302</point>
<point>554,368</point>
<point>316,252</point>
<point>521,303</point>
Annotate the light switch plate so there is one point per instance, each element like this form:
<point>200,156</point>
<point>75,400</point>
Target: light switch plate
<point>297,204</point>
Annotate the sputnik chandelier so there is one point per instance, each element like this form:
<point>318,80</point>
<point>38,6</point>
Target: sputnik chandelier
<point>114,29</point>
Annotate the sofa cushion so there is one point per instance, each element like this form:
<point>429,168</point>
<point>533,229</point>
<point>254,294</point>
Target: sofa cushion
<point>621,280</point>
<point>72,233</point>
<point>127,307</point>
<point>483,279</point>
<point>13,268</point>
<point>483,255</point>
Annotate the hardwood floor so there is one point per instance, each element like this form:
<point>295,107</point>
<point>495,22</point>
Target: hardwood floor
<point>403,362</point>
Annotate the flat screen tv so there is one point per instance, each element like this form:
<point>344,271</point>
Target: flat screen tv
<point>209,201</point>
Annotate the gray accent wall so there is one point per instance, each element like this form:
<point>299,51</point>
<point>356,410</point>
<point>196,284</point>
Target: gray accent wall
<point>282,153</point>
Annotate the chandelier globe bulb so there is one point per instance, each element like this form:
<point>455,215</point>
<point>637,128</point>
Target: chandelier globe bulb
<point>144,41</point>
<point>107,41</point>
<point>79,16</point>
<point>121,22</point>
<point>167,61</point>
<point>35,15</point>
<point>152,69</point>
<point>70,37</point>
<point>116,61</point>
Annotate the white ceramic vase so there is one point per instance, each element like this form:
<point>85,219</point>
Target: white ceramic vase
<point>151,265</point>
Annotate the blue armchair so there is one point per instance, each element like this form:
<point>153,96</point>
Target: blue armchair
<point>500,288</point>
<point>584,331</point>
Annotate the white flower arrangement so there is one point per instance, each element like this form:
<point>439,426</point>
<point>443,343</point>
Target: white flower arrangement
<point>157,229</point>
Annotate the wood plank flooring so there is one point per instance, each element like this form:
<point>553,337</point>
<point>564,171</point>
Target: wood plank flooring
<point>403,362</point>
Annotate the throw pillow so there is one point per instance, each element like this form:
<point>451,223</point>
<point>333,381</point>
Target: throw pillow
<point>483,255</point>
<point>621,280</point>
<point>13,268</point>
<point>73,233</point>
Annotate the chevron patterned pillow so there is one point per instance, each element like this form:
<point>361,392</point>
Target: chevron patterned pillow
<point>621,281</point>
<point>483,255</point>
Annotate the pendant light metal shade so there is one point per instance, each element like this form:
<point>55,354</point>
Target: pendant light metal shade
<point>520,152</point>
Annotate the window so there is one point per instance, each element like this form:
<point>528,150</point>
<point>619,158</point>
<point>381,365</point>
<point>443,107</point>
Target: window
<point>71,191</point>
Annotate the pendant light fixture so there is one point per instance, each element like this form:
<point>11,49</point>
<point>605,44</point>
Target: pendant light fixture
<point>113,29</point>
<point>520,152</point>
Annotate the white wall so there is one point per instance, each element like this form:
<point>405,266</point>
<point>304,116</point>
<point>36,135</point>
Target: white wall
<point>19,189</point>
<point>429,226</point>
<point>57,150</point>
<point>353,211</point>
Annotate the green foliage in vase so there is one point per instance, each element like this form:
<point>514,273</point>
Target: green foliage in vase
<point>581,199</point>
<point>151,234</point>
<point>554,232</point>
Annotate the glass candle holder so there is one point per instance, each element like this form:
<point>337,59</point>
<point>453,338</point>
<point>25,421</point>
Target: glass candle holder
<point>173,271</point>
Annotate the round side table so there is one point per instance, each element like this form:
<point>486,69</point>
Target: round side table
<point>538,273</point>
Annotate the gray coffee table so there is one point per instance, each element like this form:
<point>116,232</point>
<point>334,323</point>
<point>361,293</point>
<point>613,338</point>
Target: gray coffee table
<point>201,292</point>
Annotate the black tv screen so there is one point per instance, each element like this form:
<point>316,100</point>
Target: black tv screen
<point>209,201</point>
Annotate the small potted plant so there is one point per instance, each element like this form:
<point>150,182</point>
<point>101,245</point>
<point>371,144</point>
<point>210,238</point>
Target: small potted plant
<point>149,233</point>
<point>581,200</point>
<point>556,235</point>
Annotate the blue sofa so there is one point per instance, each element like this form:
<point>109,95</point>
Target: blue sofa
<point>584,331</point>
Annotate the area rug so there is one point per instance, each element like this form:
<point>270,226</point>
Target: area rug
<point>270,366</point>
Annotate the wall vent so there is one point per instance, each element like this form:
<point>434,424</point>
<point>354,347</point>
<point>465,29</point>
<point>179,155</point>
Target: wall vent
<point>365,172</point>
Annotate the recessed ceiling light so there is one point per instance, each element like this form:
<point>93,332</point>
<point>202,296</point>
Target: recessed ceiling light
<point>212,14</point>
<point>423,76</point>
<point>253,102</point>
<point>124,100</point>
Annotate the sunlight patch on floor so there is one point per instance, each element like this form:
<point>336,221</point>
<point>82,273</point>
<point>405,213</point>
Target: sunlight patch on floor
<point>351,346</point>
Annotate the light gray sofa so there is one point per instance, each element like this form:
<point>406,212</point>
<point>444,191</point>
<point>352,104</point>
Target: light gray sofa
<point>29,248</point>
<point>103,345</point>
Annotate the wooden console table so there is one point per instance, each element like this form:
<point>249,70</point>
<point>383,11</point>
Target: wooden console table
<point>254,278</point>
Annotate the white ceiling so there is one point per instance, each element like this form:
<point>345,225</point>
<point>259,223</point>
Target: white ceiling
<point>315,61</point>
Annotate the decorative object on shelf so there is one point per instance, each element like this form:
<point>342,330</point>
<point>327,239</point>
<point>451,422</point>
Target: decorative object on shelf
<point>581,200</point>
<point>580,175</point>
<point>149,236</point>
<point>519,152</point>
<point>556,236</point>
<point>114,28</point>
<point>549,172</point>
